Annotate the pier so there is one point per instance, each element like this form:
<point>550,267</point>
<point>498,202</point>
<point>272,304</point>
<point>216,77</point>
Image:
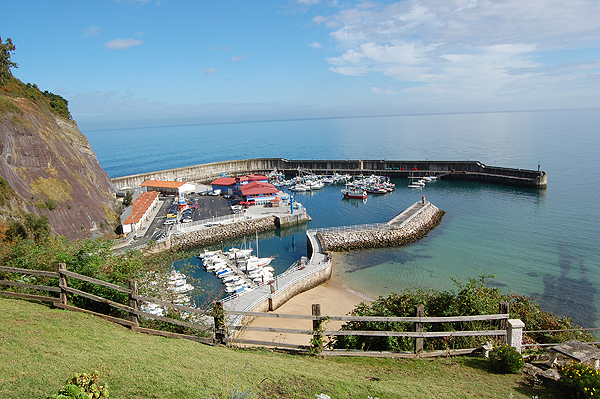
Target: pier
<point>448,170</point>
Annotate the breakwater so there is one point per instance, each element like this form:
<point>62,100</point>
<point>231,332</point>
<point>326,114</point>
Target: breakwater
<point>216,234</point>
<point>455,170</point>
<point>424,218</point>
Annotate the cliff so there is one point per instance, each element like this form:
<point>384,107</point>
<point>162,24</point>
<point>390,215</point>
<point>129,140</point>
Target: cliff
<point>51,167</point>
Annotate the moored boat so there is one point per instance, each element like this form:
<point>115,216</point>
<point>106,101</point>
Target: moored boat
<point>354,192</point>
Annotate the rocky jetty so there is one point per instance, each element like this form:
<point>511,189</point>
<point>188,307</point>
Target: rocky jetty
<point>224,232</point>
<point>383,236</point>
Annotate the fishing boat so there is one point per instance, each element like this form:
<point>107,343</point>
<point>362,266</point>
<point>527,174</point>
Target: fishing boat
<point>354,192</point>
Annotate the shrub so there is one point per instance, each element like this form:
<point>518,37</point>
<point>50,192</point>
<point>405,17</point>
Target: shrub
<point>580,380</point>
<point>472,297</point>
<point>82,386</point>
<point>50,204</point>
<point>506,359</point>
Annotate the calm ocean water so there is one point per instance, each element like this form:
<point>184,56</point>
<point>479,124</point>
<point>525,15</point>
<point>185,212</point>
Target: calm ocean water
<point>538,242</point>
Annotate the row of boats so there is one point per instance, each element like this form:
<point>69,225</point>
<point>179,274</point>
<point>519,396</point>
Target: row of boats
<point>171,287</point>
<point>307,181</point>
<point>361,186</point>
<point>238,269</point>
<point>419,182</point>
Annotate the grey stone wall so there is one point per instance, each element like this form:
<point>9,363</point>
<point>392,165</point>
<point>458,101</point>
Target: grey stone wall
<point>215,234</point>
<point>410,232</point>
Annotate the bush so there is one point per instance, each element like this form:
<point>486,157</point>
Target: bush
<point>506,359</point>
<point>82,386</point>
<point>580,380</point>
<point>472,297</point>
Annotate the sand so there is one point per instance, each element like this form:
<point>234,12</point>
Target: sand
<point>335,300</point>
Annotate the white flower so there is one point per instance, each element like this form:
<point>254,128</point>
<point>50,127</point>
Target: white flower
<point>323,396</point>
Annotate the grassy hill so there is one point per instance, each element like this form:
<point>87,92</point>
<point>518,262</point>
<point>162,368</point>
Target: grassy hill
<point>41,347</point>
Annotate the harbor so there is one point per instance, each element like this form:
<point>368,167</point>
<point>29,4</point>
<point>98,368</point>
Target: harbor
<point>269,294</point>
<point>450,170</point>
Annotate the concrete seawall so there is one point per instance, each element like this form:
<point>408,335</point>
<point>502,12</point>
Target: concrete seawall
<point>456,170</point>
<point>408,232</point>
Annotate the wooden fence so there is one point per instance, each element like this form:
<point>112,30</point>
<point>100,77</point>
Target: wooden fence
<point>221,332</point>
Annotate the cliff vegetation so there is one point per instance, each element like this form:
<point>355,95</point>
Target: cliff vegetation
<point>47,166</point>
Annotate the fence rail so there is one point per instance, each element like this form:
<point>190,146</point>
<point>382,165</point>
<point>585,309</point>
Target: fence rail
<point>220,331</point>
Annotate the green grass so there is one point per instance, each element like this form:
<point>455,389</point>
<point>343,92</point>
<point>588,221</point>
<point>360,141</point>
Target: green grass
<point>41,347</point>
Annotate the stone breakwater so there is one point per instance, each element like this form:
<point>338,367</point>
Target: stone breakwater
<point>389,236</point>
<point>215,234</point>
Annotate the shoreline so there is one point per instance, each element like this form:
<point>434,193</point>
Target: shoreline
<point>335,300</point>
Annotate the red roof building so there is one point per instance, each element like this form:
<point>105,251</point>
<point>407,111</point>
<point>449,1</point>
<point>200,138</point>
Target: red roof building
<point>140,210</point>
<point>259,192</point>
<point>243,180</point>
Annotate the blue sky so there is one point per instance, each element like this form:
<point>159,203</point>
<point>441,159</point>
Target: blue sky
<point>143,62</point>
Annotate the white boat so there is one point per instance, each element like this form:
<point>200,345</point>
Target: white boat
<point>183,288</point>
<point>299,188</point>
<point>232,278</point>
<point>237,253</point>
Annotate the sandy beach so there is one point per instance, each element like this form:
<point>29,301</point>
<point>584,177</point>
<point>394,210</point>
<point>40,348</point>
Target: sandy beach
<point>335,300</point>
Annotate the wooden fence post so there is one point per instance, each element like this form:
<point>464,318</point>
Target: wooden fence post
<point>219,320</point>
<point>134,304</point>
<point>420,312</point>
<point>503,308</point>
<point>317,334</point>
<point>62,282</point>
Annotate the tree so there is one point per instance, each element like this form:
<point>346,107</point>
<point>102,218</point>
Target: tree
<point>38,227</point>
<point>5,63</point>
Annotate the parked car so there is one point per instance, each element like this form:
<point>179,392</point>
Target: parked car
<point>169,221</point>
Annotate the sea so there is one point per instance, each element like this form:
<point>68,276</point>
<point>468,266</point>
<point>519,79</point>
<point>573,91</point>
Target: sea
<point>543,243</point>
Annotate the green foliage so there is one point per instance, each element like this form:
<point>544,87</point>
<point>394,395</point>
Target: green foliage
<point>53,102</point>
<point>82,386</point>
<point>580,380</point>
<point>7,105</point>
<point>6,191</point>
<point>318,340</point>
<point>15,231</point>
<point>50,204</point>
<point>38,227</point>
<point>5,63</point>
<point>471,298</point>
<point>506,359</point>
<point>58,104</point>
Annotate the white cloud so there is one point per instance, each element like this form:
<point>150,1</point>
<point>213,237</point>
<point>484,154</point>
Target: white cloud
<point>316,45</point>
<point>122,44</point>
<point>92,31</point>
<point>239,58</point>
<point>210,71</point>
<point>308,2</point>
<point>387,91</point>
<point>465,46</point>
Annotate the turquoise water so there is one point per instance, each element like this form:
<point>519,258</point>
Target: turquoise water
<point>538,242</point>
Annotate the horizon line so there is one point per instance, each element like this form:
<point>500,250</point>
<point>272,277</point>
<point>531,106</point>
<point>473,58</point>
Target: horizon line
<point>341,117</point>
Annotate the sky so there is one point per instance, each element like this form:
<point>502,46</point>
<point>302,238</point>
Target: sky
<point>123,63</point>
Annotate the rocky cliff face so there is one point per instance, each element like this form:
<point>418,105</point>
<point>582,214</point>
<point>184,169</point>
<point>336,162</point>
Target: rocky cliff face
<point>49,163</point>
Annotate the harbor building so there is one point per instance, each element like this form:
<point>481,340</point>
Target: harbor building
<point>169,187</point>
<point>140,210</point>
<point>259,192</point>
